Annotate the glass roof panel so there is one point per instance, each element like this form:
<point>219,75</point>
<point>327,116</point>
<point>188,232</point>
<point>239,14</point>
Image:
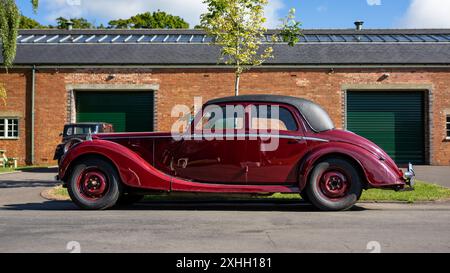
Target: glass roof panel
<point>388,38</point>
<point>375,38</point>
<point>198,38</point>
<point>337,38</point>
<point>401,38</point>
<point>311,38</point>
<point>172,38</point>
<point>185,38</point>
<point>440,38</point>
<point>324,38</point>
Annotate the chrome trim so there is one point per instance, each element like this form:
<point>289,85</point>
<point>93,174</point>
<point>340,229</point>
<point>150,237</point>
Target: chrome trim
<point>410,175</point>
<point>194,137</point>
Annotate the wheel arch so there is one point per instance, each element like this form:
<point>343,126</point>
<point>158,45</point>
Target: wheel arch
<point>133,170</point>
<point>87,156</point>
<point>308,164</point>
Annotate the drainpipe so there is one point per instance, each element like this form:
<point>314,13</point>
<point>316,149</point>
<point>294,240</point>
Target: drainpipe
<point>33,90</point>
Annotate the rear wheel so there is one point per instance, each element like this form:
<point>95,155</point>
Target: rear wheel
<point>94,184</point>
<point>334,185</point>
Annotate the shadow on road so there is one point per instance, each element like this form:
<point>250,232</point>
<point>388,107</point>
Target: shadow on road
<point>176,205</point>
<point>5,184</point>
<point>40,170</point>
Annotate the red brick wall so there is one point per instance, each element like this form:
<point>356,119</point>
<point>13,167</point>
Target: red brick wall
<point>180,86</point>
<point>16,85</point>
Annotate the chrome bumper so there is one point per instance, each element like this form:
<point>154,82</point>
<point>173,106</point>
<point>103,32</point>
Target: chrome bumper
<point>410,176</point>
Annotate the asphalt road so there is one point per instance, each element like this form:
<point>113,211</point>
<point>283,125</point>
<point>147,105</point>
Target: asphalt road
<point>28,223</point>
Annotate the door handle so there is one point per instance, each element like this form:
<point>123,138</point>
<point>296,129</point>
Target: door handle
<point>294,141</point>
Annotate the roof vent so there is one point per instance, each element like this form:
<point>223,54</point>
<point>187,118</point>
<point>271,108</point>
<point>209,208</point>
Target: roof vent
<point>359,25</point>
<point>69,25</point>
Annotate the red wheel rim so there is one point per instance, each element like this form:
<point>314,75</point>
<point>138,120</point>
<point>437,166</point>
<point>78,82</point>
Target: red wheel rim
<point>334,184</point>
<point>92,184</point>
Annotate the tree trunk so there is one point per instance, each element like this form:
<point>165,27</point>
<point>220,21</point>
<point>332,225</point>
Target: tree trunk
<point>236,86</point>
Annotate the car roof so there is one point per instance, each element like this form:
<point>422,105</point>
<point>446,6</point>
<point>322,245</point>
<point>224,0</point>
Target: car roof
<point>86,123</point>
<point>315,115</point>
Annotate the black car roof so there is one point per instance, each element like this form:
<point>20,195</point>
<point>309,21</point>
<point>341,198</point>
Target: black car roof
<point>86,123</point>
<point>315,115</point>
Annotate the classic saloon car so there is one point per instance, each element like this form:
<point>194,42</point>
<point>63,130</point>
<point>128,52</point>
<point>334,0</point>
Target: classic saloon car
<point>295,149</point>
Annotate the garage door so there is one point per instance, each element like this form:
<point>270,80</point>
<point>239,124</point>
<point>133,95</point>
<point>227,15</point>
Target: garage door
<point>127,111</point>
<point>393,120</point>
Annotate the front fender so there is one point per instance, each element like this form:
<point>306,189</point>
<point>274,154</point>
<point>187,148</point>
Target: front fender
<point>133,170</point>
<point>377,173</point>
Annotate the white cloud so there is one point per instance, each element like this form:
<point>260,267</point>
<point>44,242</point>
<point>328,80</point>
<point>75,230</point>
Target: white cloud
<point>427,14</point>
<point>322,8</point>
<point>374,2</point>
<point>272,13</point>
<point>105,10</point>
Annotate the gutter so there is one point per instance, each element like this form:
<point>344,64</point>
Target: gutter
<point>206,66</point>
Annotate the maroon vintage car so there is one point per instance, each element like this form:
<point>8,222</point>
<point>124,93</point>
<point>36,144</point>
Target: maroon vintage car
<point>268,144</point>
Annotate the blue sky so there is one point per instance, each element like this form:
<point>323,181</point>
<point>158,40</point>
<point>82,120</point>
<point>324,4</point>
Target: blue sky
<point>313,13</point>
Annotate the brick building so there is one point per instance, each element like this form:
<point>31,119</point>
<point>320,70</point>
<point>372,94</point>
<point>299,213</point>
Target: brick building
<point>392,86</point>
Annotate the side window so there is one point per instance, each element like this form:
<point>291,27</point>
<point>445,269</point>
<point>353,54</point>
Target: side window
<point>9,128</point>
<point>222,118</point>
<point>266,118</point>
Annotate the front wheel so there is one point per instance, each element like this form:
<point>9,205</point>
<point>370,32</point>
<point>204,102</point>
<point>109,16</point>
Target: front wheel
<point>94,184</point>
<point>334,185</point>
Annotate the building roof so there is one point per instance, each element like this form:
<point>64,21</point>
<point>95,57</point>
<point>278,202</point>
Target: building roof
<point>317,118</point>
<point>191,47</point>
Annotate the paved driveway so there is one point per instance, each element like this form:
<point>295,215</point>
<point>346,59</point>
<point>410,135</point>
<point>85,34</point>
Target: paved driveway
<point>436,174</point>
<point>29,223</point>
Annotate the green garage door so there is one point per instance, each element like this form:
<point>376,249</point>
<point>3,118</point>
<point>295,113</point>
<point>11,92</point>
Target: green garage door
<point>127,111</point>
<point>393,120</point>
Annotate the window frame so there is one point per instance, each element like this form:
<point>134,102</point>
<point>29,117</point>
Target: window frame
<point>281,106</point>
<point>6,121</point>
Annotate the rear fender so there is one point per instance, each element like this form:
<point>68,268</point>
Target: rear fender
<point>376,172</point>
<point>134,171</point>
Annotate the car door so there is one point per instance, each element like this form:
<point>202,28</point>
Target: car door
<point>213,153</point>
<point>275,146</point>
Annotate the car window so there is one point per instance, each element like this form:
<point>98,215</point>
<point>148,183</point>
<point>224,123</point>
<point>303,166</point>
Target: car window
<point>217,118</point>
<point>265,117</point>
<point>85,130</point>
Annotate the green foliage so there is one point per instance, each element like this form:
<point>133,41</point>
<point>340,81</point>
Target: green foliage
<point>291,30</point>
<point>9,24</point>
<point>237,27</point>
<point>78,23</point>
<point>35,4</point>
<point>28,23</point>
<point>158,20</point>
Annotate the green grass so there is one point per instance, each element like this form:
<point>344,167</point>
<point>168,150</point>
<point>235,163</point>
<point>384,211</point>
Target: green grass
<point>423,192</point>
<point>6,170</point>
<point>24,168</point>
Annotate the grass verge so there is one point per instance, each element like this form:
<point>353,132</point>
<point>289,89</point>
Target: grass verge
<point>423,192</point>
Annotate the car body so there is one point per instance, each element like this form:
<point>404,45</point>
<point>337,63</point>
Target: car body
<point>233,154</point>
<point>77,132</point>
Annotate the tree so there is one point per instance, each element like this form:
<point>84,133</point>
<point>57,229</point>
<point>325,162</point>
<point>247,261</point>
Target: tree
<point>158,19</point>
<point>237,27</point>
<point>28,23</point>
<point>77,23</point>
<point>9,25</point>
